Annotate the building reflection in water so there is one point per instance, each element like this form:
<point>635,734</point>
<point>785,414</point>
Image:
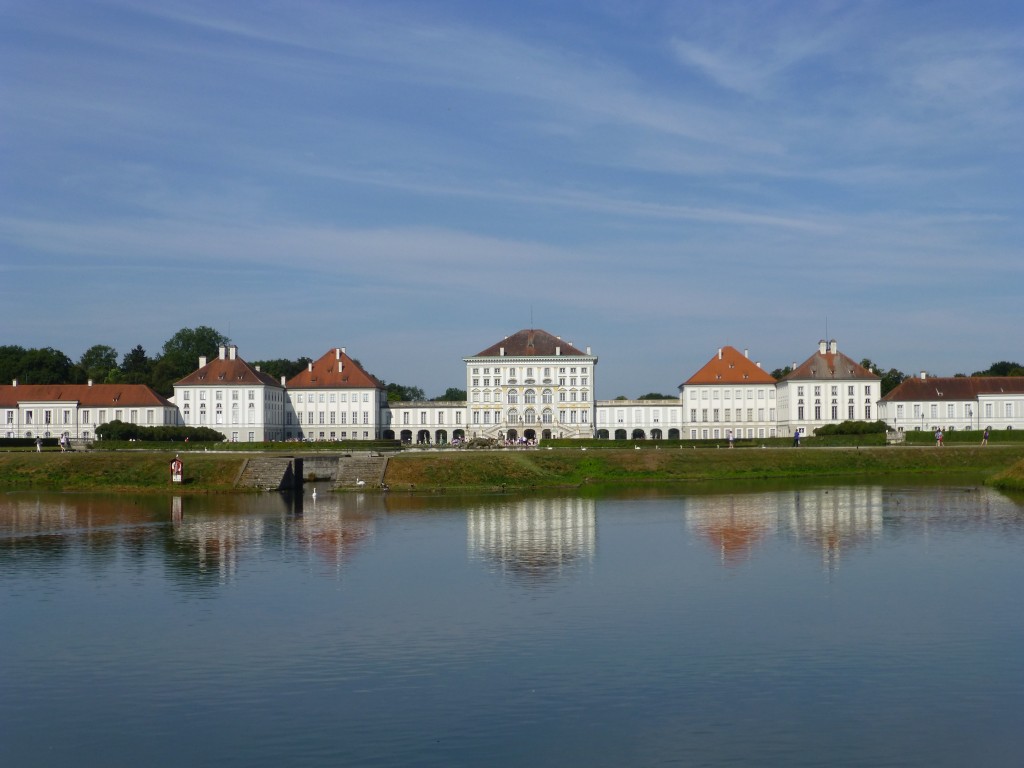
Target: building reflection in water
<point>217,543</point>
<point>533,540</point>
<point>829,519</point>
<point>329,529</point>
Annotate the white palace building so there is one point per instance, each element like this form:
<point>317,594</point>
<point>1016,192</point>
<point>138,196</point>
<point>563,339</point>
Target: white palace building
<point>532,386</point>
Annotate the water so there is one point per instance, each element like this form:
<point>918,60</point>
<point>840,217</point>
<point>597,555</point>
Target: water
<point>859,625</point>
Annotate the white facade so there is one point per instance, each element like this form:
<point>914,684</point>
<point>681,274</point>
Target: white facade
<point>974,403</point>
<point>531,385</point>
<point>233,398</point>
<point>639,419</point>
<point>76,410</point>
<point>827,388</point>
<point>334,399</point>
<point>424,423</point>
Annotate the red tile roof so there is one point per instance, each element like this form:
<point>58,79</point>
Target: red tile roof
<point>730,366</point>
<point>227,371</point>
<point>95,396</point>
<point>531,343</point>
<point>829,366</point>
<point>955,388</point>
<point>335,370</point>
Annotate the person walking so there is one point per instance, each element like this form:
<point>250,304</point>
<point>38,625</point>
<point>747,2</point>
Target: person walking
<point>938,438</point>
<point>39,444</point>
<point>984,437</point>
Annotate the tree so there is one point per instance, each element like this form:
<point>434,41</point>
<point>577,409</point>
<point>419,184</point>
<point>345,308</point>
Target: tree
<point>10,362</point>
<point>1002,368</point>
<point>98,362</point>
<point>181,355</point>
<point>400,392</point>
<point>780,373</point>
<point>47,366</point>
<point>655,396</point>
<point>136,367</point>
<point>890,379</point>
<point>451,395</point>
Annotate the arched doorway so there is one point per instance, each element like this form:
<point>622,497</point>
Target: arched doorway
<point>389,434</point>
<point>423,437</point>
<point>459,434</point>
<point>602,434</point>
<point>673,434</point>
<point>406,436</point>
<point>655,434</point>
<point>638,434</point>
<point>620,434</point>
<point>530,434</point>
<point>512,435</point>
<point>546,434</point>
<point>441,437</point>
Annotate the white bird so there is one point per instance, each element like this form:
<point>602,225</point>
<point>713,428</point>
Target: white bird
<point>360,482</point>
<point>314,494</point>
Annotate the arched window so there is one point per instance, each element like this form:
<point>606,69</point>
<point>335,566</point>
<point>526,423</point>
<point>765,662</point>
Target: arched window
<point>252,414</point>
<point>546,416</point>
<point>545,396</point>
<point>513,416</point>
<point>530,396</point>
<point>531,416</point>
<point>513,396</point>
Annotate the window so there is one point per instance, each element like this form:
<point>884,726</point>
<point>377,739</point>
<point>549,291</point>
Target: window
<point>849,390</point>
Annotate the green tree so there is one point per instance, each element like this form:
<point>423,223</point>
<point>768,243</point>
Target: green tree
<point>181,355</point>
<point>451,395</point>
<point>98,363</point>
<point>781,373</point>
<point>47,366</point>
<point>10,362</point>
<point>136,367</point>
<point>890,379</point>
<point>400,392</point>
<point>1002,368</point>
<point>655,396</point>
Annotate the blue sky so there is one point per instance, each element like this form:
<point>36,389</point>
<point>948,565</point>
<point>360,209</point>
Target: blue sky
<point>416,180</point>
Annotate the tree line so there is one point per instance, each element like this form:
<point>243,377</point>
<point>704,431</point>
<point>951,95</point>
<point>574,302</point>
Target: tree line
<point>180,355</point>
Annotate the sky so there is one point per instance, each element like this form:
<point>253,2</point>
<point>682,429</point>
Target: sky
<point>415,180</point>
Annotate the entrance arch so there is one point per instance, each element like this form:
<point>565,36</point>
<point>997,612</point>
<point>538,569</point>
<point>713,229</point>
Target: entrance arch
<point>673,434</point>
<point>638,434</point>
<point>602,434</point>
<point>423,437</point>
<point>441,437</point>
<point>655,434</point>
<point>389,434</point>
<point>406,436</point>
<point>620,434</point>
<point>511,435</point>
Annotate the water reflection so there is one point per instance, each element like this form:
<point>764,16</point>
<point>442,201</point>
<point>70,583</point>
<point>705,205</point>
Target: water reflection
<point>333,527</point>
<point>533,540</point>
<point>828,519</point>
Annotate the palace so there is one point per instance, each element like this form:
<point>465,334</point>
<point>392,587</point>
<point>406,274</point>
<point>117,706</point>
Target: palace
<point>530,386</point>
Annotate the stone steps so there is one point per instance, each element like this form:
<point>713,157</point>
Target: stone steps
<point>269,473</point>
<point>361,470</point>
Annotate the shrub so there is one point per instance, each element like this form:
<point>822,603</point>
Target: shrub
<point>852,428</point>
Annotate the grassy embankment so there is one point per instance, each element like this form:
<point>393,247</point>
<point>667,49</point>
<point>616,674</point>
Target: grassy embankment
<point>140,471</point>
<point>114,471</point>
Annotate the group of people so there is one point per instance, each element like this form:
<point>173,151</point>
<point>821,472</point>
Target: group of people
<point>62,441</point>
<point>940,437</point>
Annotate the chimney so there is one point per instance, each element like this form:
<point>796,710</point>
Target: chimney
<point>257,369</point>
<point>337,353</point>
<point>310,367</point>
<point>719,353</point>
<point>758,363</point>
<point>14,383</point>
<point>792,366</point>
<point>588,350</point>
<point>90,382</point>
<point>822,347</point>
<point>202,361</point>
<point>924,375</point>
<point>232,352</point>
<point>501,351</point>
<point>282,380</point>
<point>833,346</point>
<point>558,350</point>
<point>746,354</point>
<point>222,352</point>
